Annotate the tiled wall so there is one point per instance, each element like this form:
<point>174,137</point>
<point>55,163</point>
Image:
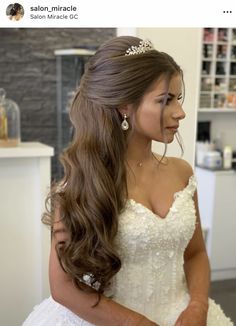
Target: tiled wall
<point>28,74</point>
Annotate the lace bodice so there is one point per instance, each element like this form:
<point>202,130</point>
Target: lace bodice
<point>151,279</point>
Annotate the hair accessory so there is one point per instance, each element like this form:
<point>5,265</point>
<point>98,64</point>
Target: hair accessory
<point>144,46</point>
<point>125,124</point>
<point>90,281</point>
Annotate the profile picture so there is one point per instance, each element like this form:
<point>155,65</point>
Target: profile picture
<point>15,11</point>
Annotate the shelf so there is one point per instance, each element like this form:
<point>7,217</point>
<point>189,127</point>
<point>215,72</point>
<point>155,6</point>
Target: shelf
<point>221,60</point>
<point>217,59</point>
<point>220,76</point>
<point>207,76</point>
<point>212,92</point>
<point>27,149</point>
<point>212,110</point>
<point>222,42</point>
<point>218,69</point>
<point>79,52</point>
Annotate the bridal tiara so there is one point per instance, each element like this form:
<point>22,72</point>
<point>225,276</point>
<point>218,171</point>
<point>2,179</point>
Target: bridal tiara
<point>144,46</point>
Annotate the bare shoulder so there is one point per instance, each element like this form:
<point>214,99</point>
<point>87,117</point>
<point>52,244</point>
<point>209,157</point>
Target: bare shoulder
<point>59,230</point>
<point>181,167</point>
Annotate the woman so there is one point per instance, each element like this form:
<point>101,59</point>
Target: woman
<point>127,246</point>
<point>16,12</point>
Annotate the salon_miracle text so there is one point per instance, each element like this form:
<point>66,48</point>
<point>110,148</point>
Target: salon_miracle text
<point>54,8</point>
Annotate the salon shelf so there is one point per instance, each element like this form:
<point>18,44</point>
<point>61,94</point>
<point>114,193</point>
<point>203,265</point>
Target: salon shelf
<point>78,51</point>
<point>215,110</point>
<point>27,149</point>
<point>218,68</point>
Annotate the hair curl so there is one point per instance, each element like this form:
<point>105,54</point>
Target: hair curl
<point>94,189</point>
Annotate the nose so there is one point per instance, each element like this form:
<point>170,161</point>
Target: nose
<point>178,113</point>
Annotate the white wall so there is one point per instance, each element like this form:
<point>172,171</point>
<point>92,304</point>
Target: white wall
<point>126,31</point>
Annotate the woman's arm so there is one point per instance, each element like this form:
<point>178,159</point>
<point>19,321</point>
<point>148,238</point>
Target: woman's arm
<point>196,262</point>
<point>197,266</point>
<point>197,271</point>
<point>106,313</point>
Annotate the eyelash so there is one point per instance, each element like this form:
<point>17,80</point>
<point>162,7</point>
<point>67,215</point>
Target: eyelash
<point>169,99</point>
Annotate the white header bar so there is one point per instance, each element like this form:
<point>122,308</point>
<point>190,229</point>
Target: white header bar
<point>118,14</point>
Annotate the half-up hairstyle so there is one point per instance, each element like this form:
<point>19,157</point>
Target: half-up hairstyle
<point>93,191</point>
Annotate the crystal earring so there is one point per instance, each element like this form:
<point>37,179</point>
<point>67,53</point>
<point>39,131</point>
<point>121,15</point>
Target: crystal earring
<point>124,124</point>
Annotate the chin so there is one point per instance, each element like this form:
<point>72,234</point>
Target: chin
<point>167,140</point>
<point>170,140</point>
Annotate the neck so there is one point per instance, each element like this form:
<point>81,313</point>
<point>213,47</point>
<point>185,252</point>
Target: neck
<point>139,150</point>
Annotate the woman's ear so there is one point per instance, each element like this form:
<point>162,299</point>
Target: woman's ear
<point>125,109</point>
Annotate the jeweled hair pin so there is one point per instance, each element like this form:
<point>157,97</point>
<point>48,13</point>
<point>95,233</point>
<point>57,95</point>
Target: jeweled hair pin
<point>144,46</point>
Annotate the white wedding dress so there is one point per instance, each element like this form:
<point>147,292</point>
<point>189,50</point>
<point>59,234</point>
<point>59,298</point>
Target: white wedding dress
<point>151,280</point>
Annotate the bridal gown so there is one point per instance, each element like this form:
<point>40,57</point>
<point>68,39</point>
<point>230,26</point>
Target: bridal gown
<point>151,280</point>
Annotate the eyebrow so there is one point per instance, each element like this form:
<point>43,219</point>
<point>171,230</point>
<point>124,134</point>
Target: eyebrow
<point>170,94</point>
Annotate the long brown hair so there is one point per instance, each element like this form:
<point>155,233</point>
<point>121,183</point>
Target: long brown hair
<point>93,191</point>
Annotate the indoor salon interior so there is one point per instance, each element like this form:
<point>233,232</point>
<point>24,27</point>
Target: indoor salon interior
<point>40,75</point>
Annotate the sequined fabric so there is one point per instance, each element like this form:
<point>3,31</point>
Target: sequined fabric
<point>151,280</point>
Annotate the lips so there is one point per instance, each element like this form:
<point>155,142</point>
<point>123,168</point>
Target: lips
<point>173,127</point>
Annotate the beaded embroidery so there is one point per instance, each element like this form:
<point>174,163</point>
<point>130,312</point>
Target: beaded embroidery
<point>151,280</point>
<point>144,46</point>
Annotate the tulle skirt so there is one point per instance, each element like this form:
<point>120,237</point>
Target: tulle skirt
<point>51,313</point>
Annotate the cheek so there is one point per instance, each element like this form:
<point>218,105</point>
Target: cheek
<point>148,119</point>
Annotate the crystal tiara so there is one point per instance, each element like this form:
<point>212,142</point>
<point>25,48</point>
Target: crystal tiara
<point>144,46</point>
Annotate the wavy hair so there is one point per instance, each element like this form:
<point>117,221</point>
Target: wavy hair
<point>93,191</point>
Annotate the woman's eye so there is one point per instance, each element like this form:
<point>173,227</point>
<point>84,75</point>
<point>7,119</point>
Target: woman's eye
<point>168,100</point>
<point>162,101</point>
<point>180,98</point>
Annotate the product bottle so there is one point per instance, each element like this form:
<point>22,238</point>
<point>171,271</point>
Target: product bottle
<point>218,142</point>
<point>9,121</point>
<point>227,157</point>
<point>3,123</point>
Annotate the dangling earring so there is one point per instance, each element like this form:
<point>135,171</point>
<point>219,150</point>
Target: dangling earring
<point>124,124</point>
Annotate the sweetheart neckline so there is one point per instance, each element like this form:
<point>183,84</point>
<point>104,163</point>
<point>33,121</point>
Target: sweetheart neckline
<point>134,202</point>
